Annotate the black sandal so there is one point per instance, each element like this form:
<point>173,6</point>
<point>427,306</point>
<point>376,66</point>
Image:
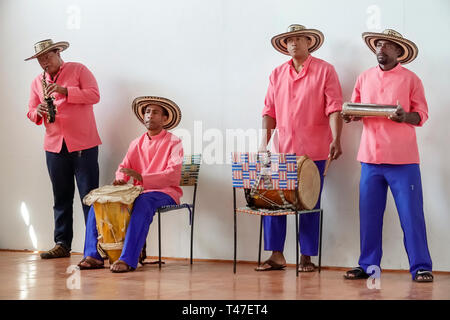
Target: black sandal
<point>423,273</point>
<point>356,274</point>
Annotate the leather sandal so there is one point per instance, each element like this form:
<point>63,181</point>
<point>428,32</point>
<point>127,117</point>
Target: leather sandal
<point>93,264</point>
<point>120,262</point>
<point>272,266</point>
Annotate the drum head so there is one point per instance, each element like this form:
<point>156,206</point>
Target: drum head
<point>125,194</point>
<point>308,182</point>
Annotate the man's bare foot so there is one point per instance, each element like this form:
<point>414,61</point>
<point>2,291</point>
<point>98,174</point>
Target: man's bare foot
<point>306,265</point>
<point>275,262</point>
<point>120,266</point>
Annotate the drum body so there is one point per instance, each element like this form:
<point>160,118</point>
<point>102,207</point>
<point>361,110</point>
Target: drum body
<point>304,198</point>
<point>112,223</point>
<point>112,206</point>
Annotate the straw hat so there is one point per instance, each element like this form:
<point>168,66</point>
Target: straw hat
<point>410,50</point>
<point>279,41</point>
<point>174,118</point>
<point>47,45</point>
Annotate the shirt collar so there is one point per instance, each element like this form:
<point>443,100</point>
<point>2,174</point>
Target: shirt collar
<point>393,70</point>
<point>305,65</point>
<point>159,136</point>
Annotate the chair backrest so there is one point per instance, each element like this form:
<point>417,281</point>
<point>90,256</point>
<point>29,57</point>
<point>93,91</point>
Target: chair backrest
<point>246,167</point>
<point>190,169</point>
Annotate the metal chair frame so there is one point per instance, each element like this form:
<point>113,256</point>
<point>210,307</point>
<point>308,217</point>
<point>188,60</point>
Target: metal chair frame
<point>269,212</point>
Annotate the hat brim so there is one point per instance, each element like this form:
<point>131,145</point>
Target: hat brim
<point>61,46</point>
<point>410,50</point>
<point>317,39</point>
<point>174,118</point>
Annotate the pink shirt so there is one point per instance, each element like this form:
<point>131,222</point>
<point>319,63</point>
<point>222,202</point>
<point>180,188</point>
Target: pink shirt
<point>159,160</point>
<point>301,103</point>
<point>383,140</point>
<point>75,121</point>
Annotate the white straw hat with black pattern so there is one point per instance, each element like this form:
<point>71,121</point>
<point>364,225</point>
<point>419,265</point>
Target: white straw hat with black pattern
<point>47,45</point>
<point>174,118</point>
<point>410,50</point>
<point>279,41</point>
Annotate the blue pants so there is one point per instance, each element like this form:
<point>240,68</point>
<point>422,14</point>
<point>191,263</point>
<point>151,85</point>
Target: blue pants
<point>406,187</point>
<point>62,168</point>
<point>275,227</point>
<point>144,209</point>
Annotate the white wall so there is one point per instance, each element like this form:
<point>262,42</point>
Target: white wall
<point>213,58</point>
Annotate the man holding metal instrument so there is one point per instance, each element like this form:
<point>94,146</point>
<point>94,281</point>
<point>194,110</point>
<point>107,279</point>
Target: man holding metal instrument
<point>389,154</point>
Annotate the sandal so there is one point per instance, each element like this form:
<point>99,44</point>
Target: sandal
<point>427,276</point>
<point>273,266</point>
<point>307,267</point>
<point>356,273</point>
<point>120,262</point>
<point>93,264</point>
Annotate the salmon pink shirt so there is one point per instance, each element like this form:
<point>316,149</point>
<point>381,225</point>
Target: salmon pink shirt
<point>384,140</point>
<point>300,103</point>
<point>158,159</point>
<point>75,121</point>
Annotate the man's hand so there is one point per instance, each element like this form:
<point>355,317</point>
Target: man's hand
<point>399,115</point>
<point>42,109</point>
<point>56,88</point>
<point>348,119</point>
<point>335,149</point>
<point>131,173</point>
<point>118,182</point>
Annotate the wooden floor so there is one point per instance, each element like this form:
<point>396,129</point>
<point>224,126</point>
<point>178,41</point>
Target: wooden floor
<point>26,276</point>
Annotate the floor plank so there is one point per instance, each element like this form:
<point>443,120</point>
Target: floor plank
<point>27,276</point>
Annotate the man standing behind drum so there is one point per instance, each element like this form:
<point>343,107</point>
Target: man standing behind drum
<point>154,161</point>
<point>303,102</point>
<point>71,138</point>
<point>389,154</point>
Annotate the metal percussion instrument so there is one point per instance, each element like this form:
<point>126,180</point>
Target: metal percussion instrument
<point>367,110</point>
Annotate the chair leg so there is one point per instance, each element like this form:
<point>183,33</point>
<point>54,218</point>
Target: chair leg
<point>320,239</point>
<point>296,244</point>
<point>192,233</point>
<point>159,239</point>
<point>235,230</point>
<point>192,222</point>
<point>260,240</point>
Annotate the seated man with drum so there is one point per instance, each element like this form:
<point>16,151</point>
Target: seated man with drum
<point>302,103</point>
<point>389,154</point>
<point>154,161</point>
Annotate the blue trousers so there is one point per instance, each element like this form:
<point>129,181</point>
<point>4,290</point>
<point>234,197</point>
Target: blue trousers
<point>144,209</point>
<point>406,187</point>
<point>62,168</point>
<point>275,227</point>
